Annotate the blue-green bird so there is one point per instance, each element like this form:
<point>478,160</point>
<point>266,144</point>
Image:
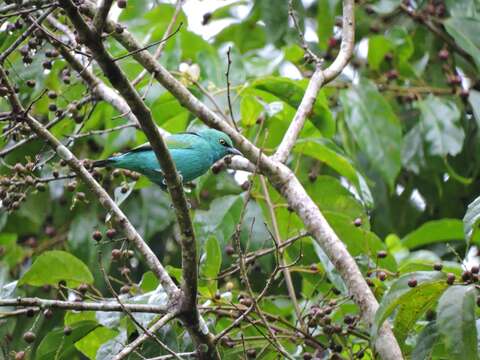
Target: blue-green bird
<point>193,153</point>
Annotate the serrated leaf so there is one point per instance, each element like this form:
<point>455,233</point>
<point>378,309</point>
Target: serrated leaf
<point>456,322</point>
<point>440,123</point>
<point>53,266</point>
<point>375,128</point>
<point>400,293</point>
<point>408,312</point>
<point>413,154</point>
<point>425,341</point>
<point>465,32</point>
<point>359,241</point>
<point>433,232</point>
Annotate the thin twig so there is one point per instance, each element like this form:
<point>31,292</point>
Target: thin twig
<point>24,35</point>
<point>150,45</point>
<point>128,349</point>
<point>83,306</point>
<point>168,31</point>
<point>146,331</point>
<point>278,243</point>
<point>227,75</point>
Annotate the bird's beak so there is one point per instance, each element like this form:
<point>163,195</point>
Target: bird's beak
<point>234,151</point>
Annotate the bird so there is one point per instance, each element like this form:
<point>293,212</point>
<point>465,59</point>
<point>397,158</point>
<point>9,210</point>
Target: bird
<point>192,152</point>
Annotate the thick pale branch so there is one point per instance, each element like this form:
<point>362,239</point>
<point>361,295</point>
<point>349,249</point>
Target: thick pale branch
<point>83,306</point>
<point>303,111</point>
<point>347,44</point>
<point>319,78</point>
<point>127,350</point>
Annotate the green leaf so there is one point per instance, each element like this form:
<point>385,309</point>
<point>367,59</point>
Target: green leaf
<point>474,100</point>
<point>169,114</point>
<point>250,110</point>
<point>465,8</point>
<point>471,220</point>
<point>378,47</point>
<point>52,266</point>
<point>275,16</point>
<point>327,152</point>
<point>330,195</point>
<point>149,282</point>
<point>211,263</point>
<point>456,322</point>
<point>326,20</point>
<point>385,6</point>
<point>409,311</point>
<point>375,128</point>
<point>433,232</point>
<point>226,10</point>
<point>291,92</point>
<point>359,241</point>
<point>400,293</point>
<point>425,342</point>
<point>465,32</point>
<point>90,343</point>
<point>220,220</point>
<point>413,154</point>
<point>58,346</point>
<point>12,253</point>
<point>246,36</point>
<point>440,123</point>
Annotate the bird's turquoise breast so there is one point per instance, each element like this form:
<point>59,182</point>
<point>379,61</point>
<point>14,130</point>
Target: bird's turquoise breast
<point>191,163</point>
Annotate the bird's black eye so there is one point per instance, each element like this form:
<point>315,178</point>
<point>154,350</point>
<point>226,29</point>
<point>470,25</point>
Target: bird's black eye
<point>222,142</point>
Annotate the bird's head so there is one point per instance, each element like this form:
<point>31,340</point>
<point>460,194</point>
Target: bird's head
<point>220,143</point>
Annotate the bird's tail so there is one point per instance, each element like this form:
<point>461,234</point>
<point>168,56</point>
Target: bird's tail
<point>102,163</point>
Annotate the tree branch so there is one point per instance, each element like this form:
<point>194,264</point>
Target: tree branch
<point>163,43</point>
<point>83,306</point>
<point>281,259</point>
<point>319,78</point>
<point>118,79</point>
<point>127,350</point>
<point>101,15</point>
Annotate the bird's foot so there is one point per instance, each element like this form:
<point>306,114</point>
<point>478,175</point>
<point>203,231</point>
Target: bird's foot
<point>164,181</point>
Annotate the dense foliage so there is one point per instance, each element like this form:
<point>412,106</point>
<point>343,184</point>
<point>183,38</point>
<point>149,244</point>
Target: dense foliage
<point>389,154</point>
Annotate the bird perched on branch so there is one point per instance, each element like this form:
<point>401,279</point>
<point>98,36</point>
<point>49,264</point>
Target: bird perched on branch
<point>193,153</point>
